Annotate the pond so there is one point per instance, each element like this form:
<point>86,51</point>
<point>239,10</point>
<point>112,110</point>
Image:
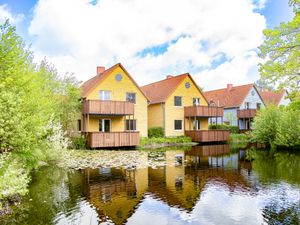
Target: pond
<point>202,185</point>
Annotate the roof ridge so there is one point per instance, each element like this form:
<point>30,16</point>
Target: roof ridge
<point>232,87</point>
<point>176,76</point>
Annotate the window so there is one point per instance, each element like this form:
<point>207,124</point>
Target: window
<point>177,100</point>
<point>130,97</point>
<point>258,105</point>
<point>79,125</point>
<point>178,124</point>
<point>247,105</point>
<point>196,101</point>
<point>130,124</point>
<point>211,103</point>
<point>104,125</point>
<point>105,95</point>
<point>196,124</point>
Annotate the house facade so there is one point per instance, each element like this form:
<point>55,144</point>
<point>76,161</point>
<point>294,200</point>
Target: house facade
<point>240,104</point>
<point>114,109</point>
<point>276,98</point>
<point>179,107</point>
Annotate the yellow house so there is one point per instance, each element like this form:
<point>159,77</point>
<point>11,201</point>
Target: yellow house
<point>179,107</point>
<point>114,109</point>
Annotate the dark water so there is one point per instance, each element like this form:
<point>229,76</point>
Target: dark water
<point>204,185</point>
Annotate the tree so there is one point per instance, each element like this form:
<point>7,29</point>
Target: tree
<point>281,49</point>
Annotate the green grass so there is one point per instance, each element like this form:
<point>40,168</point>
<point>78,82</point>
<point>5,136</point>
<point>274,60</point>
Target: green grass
<point>164,140</point>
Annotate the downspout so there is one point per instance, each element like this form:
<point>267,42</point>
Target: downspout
<point>164,117</point>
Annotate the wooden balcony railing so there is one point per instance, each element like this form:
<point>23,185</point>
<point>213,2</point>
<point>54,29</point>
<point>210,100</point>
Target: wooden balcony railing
<point>112,139</point>
<point>208,135</point>
<point>107,107</point>
<point>246,113</point>
<point>203,111</point>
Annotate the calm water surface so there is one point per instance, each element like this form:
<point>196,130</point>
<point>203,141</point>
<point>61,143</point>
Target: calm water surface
<point>204,185</point>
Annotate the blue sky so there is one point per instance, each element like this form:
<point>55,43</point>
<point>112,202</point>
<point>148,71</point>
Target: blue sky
<point>150,41</point>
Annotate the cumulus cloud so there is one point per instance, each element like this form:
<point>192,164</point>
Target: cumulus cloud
<point>213,40</point>
<point>5,14</point>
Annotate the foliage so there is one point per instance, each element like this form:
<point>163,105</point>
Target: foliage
<point>155,132</point>
<point>239,138</point>
<point>163,140</point>
<point>233,129</point>
<point>281,49</point>
<point>263,85</point>
<point>36,106</point>
<point>288,131</point>
<point>14,177</point>
<point>78,142</point>
<point>277,127</point>
<point>265,125</point>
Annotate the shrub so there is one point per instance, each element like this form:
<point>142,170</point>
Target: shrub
<point>155,132</point>
<point>265,125</point>
<point>78,142</point>
<point>288,131</point>
<point>233,129</point>
<point>160,140</point>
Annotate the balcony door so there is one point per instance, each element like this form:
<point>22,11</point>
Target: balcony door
<point>196,124</point>
<point>104,125</point>
<point>105,95</point>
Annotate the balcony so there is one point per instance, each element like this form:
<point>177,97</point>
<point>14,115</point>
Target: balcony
<point>246,113</point>
<point>112,139</point>
<point>203,111</point>
<point>99,107</point>
<point>208,135</point>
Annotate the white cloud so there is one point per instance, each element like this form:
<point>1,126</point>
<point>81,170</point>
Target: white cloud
<point>5,14</point>
<point>77,36</point>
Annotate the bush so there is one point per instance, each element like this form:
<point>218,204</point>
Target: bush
<point>233,129</point>
<point>277,127</point>
<point>161,140</point>
<point>78,142</point>
<point>155,132</point>
<point>265,125</point>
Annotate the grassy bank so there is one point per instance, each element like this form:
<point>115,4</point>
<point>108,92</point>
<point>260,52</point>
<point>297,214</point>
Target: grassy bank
<point>158,142</point>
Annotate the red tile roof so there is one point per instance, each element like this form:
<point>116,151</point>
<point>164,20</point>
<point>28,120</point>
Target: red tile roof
<point>272,97</point>
<point>159,91</point>
<point>92,83</point>
<point>229,98</point>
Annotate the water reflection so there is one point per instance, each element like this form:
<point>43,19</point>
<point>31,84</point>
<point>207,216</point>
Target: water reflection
<point>204,185</point>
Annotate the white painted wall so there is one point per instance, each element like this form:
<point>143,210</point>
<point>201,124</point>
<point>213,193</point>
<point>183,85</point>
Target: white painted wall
<point>253,98</point>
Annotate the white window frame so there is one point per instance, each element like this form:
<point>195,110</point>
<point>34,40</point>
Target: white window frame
<point>102,95</point>
<point>103,127</point>
<point>197,124</point>
<point>198,101</point>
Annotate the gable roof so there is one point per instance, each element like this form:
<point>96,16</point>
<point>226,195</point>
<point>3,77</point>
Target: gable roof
<point>158,92</point>
<point>229,98</point>
<point>272,97</point>
<point>92,83</point>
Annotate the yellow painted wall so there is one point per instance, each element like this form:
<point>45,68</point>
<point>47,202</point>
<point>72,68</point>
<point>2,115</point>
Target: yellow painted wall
<point>155,115</point>
<point>177,113</point>
<point>118,93</point>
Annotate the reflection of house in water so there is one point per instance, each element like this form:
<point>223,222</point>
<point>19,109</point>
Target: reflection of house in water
<point>117,192</point>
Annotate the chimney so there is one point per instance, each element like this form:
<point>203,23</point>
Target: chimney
<point>229,87</point>
<point>169,76</point>
<point>100,69</point>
